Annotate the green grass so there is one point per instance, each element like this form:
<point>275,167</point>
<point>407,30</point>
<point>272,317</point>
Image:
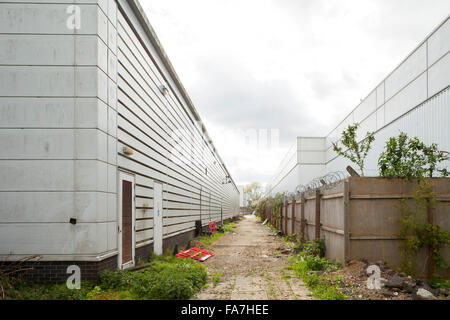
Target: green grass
<point>227,227</point>
<point>314,270</point>
<point>165,278</point>
<point>18,289</point>
<point>216,279</point>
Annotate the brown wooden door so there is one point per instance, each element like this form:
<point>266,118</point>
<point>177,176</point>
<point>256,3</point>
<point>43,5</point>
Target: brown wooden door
<point>127,221</point>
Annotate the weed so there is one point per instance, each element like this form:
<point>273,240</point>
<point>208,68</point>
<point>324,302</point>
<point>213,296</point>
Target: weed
<point>227,227</point>
<point>284,274</point>
<point>312,267</point>
<point>166,278</point>
<point>216,279</point>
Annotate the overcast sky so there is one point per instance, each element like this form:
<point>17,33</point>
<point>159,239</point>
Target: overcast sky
<point>289,67</point>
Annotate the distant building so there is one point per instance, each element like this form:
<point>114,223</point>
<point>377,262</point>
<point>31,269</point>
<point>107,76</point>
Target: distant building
<point>243,201</point>
<point>414,98</point>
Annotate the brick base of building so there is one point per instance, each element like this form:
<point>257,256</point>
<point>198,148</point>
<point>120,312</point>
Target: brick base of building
<point>56,271</point>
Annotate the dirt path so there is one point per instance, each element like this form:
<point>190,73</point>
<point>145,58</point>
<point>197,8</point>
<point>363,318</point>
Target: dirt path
<point>249,265</point>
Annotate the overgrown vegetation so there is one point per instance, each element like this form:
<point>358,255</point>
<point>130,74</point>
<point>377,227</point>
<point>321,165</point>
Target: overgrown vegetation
<point>19,289</point>
<point>410,158</point>
<point>311,265</point>
<point>275,203</point>
<point>165,278</point>
<point>418,232</point>
<point>313,268</point>
<point>351,149</point>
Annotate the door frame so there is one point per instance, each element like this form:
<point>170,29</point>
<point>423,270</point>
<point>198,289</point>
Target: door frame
<point>162,217</point>
<point>127,177</point>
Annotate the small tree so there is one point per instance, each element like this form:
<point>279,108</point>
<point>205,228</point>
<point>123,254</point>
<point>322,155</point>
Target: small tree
<point>410,158</point>
<point>253,192</point>
<point>354,151</point>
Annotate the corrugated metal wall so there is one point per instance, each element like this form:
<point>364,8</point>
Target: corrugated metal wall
<point>167,142</point>
<point>429,121</point>
<point>413,98</point>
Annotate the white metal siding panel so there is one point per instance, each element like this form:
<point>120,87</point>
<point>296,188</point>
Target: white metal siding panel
<point>387,107</point>
<point>167,144</point>
<point>438,43</point>
<point>57,135</point>
<point>410,69</point>
<point>439,75</point>
<point>428,121</point>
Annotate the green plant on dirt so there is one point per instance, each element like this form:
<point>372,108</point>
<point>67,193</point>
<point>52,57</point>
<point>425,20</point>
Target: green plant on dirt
<point>210,239</point>
<point>351,149</point>
<point>311,265</point>
<point>322,287</point>
<point>418,232</point>
<point>437,281</point>
<point>167,278</point>
<point>229,227</point>
<point>99,294</point>
<point>216,279</point>
<point>314,247</point>
<point>292,238</point>
<point>13,288</point>
<point>410,158</point>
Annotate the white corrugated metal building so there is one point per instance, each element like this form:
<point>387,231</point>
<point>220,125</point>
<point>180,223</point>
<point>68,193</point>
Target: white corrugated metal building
<point>414,98</point>
<point>103,155</point>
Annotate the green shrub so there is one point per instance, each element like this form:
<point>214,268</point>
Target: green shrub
<point>314,247</point>
<point>166,278</point>
<point>311,265</point>
<point>351,149</point>
<point>410,158</point>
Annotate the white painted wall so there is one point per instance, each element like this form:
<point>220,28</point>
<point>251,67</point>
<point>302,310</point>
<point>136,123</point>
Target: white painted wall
<point>167,139</point>
<point>70,100</point>
<point>55,159</point>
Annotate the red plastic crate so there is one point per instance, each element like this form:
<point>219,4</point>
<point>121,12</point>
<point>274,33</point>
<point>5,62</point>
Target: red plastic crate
<point>212,227</point>
<point>196,254</point>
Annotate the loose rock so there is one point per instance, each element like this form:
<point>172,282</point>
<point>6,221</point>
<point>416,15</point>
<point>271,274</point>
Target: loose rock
<point>423,294</point>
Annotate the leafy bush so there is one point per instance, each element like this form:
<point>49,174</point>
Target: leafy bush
<point>417,232</point>
<point>354,151</point>
<point>410,158</point>
<point>314,247</point>
<point>167,278</point>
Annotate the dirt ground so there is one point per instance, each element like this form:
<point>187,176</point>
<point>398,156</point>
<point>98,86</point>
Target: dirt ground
<point>249,265</point>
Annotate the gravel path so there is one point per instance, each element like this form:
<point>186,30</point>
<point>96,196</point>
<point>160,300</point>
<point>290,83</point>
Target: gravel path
<point>249,265</point>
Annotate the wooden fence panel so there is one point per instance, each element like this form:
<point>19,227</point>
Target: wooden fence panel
<point>358,218</point>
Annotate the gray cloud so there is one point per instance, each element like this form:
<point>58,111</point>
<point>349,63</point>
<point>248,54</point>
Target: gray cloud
<point>294,65</point>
